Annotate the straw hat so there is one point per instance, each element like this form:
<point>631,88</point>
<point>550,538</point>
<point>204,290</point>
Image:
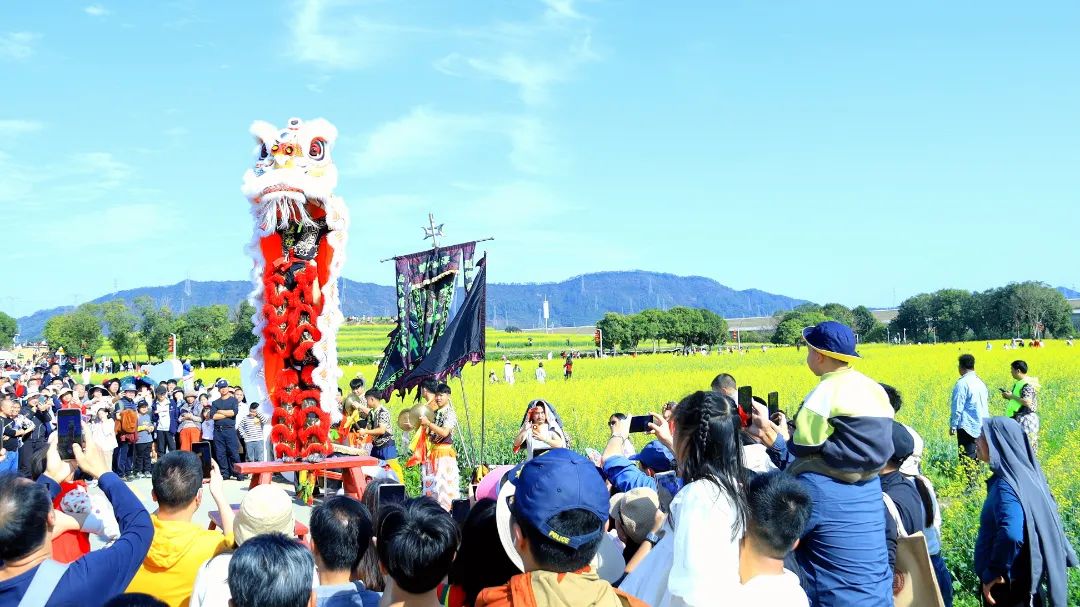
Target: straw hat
<point>265,509</point>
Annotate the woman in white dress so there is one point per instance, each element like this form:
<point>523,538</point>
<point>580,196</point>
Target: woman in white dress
<point>697,560</point>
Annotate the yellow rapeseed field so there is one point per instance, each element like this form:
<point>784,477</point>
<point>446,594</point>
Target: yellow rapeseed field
<point>924,374</point>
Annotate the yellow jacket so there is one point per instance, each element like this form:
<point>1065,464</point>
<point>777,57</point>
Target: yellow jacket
<point>178,550</point>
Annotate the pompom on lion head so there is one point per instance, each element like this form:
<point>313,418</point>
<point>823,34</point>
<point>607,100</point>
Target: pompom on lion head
<point>293,169</point>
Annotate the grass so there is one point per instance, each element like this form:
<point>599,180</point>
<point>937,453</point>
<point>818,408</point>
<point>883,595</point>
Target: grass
<point>923,373</point>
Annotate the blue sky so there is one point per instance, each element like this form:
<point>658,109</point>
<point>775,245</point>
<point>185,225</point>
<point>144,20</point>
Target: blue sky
<point>842,151</point>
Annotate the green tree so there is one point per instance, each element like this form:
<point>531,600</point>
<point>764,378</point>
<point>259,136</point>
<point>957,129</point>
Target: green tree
<point>8,329</point>
<point>912,317</point>
<point>121,324</point>
<point>682,325</point>
<point>203,330</point>
<point>617,331</point>
<point>950,310</point>
<point>243,337</point>
<point>789,330</point>
<point>713,329</point>
<point>77,332</point>
<point>862,320</point>
<point>155,326</point>
<point>839,313</point>
<point>651,322</point>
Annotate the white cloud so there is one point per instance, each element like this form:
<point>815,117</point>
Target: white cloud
<point>18,127</point>
<point>533,55</point>
<point>17,45</point>
<point>428,135</point>
<point>96,10</point>
<point>341,41</point>
<point>79,178</point>
<point>562,8</point>
<point>423,133</point>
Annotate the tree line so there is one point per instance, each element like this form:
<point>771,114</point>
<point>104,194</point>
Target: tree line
<point>200,332</point>
<point>1015,310</point>
<point>679,325</point>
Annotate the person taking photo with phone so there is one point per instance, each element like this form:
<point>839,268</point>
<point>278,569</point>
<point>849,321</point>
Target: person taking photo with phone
<point>539,431</point>
<point>180,547</point>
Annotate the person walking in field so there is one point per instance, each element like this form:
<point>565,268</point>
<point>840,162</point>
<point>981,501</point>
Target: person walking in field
<point>568,366</point>
<point>1023,401</point>
<point>969,407</point>
<point>541,374</point>
<point>508,371</point>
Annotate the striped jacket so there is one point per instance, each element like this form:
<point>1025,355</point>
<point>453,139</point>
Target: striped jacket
<point>847,421</point>
<point>251,428</point>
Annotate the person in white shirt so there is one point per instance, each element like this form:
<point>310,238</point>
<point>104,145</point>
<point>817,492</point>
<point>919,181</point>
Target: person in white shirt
<point>778,507</point>
<point>697,560</point>
<point>508,372</point>
<point>541,374</point>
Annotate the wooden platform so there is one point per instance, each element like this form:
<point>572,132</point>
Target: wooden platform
<point>352,476</point>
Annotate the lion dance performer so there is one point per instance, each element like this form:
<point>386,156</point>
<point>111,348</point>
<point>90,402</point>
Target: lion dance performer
<point>299,248</point>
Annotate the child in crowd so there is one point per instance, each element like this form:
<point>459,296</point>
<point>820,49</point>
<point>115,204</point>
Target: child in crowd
<point>144,441</point>
<point>416,545</point>
<point>778,507</point>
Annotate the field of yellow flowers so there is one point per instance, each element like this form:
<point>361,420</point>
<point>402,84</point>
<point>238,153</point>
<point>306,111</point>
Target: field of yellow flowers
<point>924,374</point>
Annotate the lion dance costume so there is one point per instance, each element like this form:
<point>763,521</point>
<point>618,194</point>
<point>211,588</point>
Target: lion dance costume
<point>299,249</point>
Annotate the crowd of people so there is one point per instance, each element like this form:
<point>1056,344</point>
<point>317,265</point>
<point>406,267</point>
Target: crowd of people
<point>726,505</point>
<point>133,421</point>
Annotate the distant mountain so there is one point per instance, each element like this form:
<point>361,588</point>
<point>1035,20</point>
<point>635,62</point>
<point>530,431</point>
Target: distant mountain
<point>579,301</point>
<point>1069,293</point>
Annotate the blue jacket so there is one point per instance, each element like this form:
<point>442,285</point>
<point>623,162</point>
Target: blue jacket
<point>843,553</point>
<point>999,545</point>
<point>625,475</point>
<point>102,574</point>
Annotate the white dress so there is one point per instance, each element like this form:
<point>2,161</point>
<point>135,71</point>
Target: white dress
<point>698,559</point>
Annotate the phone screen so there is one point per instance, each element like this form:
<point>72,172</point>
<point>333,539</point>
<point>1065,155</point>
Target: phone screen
<point>640,423</point>
<point>202,449</point>
<point>746,400</point>
<point>68,432</point>
<point>774,403</point>
<point>459,509</point>
<point>393,493</point>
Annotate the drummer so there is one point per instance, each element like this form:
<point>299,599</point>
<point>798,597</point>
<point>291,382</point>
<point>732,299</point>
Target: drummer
<point>441,478</point>
<point>377,428</point>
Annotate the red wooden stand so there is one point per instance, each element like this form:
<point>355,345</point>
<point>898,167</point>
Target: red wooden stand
<point>352,477</point>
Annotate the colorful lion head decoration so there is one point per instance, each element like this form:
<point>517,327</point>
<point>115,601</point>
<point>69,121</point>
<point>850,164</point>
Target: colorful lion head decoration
<point>298,247</point>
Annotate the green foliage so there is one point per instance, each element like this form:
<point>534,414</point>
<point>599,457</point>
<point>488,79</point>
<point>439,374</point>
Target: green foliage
<point>789,329</point>
<point>1010,311</point>
<point>77,332</point>
<point>243,338</point>
<point>155,327</point>
<point>679,325</point>
<point>839,313</point>
<point>8,329</point>
<point>203,330</point>
<point>121,325</point>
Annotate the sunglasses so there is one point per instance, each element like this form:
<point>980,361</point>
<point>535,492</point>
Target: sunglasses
<point>611,422</point>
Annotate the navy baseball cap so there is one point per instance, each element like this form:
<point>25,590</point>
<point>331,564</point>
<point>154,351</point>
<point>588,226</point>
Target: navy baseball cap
<point>833,339</point>
<point>539,489</point>
<point>655,456</point>
<point>221,383</point>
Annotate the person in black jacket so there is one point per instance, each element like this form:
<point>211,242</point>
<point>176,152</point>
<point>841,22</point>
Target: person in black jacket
<point>37,409</point>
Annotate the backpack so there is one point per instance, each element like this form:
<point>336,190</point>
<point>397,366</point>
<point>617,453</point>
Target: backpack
<point>127,422</point>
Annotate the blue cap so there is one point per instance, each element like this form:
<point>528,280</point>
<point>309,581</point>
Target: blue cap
<point>833,339</point>
<point>555,482</point>
<point>128,387</point>
<point>221,383</point>
<point>655,456</point>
